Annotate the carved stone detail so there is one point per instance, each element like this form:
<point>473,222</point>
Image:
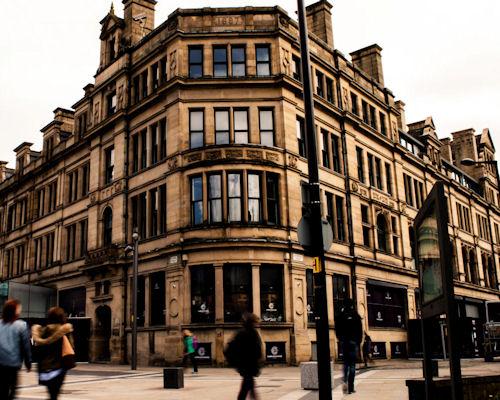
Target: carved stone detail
<point>285,59</point>
<point>193,157</point>
<point>272,157</point>
<point>172,163</point>
<point>173,63</point>
<point>213,155</point>
<point>255,154</point>
<point>292,161</point>
<point>234,153</point>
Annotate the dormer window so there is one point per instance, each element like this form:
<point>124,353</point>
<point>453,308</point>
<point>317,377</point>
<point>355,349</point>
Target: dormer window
<point>112,103</point>
<point>112,53</point>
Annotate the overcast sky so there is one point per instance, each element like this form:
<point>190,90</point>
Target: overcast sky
<point>442,58</point>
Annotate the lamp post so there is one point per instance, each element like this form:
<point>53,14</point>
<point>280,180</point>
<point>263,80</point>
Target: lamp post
<point>135,239</point>
<point>316,225</point>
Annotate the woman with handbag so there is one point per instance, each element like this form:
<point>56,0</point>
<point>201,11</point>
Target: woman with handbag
<point>55,348</point>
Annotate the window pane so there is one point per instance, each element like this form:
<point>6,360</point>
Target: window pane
<point>220,70</point>
<point>234,185</point>
<point>221,137</point>
<point>263,69</point>
<point>220,55</point>
<point>237,291</point>
<point>196,139</point>
<point>271,293</point>
<point>253,210</point>
<point>216,210</point>
<point>262,54</point>
<point>266,138</point>
<point>202,294</point>
<point>238,54</point>
<point>266,119</point>
<point>240,120</point>
<point>253,185</point>
<point>222,120</point>
<point>238,69</point>
<point>195,55</point>
<point>241,137</point>
<point>197,189</point>
<point>157,281</point>
<point>215,186</point>
<point>234,210</point>
<point>195,71</point>
<point>196,121</point>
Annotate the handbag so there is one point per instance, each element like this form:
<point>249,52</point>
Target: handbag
<point>68,354</point>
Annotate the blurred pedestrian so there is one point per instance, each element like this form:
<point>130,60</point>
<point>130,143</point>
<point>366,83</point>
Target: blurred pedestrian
<point>15,347</point>
<point>189,350</point>
<point>367,349</point>
<point>349,332</point>
<point>244,352</point>
<point>50,340</point>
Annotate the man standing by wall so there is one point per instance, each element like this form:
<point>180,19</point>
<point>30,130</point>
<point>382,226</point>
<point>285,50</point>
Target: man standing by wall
<point>349,333</point>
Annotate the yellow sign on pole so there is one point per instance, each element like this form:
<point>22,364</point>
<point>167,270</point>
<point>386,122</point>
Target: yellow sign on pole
<point>316,265</point>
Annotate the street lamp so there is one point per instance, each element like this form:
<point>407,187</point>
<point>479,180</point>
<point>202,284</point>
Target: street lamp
<point>135,239</point>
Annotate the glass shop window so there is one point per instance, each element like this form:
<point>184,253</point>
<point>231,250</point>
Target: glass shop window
<point>202,294</point>
<point>237,291</point>
<point>386,306</point>
<point>271,293</point>
<point>157,290</point>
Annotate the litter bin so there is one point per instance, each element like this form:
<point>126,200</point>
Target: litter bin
<point>173,378</point>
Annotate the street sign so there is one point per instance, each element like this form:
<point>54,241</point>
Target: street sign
<point>306,239</point>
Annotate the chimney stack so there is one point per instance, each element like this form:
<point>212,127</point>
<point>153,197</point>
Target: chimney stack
<point>369,60</point>
<point>319,21</point>
<point>139,17</point>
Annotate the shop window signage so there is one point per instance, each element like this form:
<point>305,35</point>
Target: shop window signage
<point>275,352</point>
<point>203,353</point>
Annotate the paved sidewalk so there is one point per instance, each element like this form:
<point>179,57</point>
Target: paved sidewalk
<point>383,380</point>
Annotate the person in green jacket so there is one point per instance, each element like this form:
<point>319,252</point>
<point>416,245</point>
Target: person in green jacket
<point>189,350</point>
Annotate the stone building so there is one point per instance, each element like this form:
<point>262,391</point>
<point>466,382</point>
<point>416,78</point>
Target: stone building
<point>193,132</point>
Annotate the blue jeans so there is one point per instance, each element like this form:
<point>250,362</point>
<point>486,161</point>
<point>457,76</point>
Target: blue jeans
<point>350,350</point>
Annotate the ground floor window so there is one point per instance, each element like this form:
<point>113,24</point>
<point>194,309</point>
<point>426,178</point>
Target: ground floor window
<point>271,293</point>
<point>310,295</point>
<point>141,300</point>
<point>237,291</point>
<point>386,306</point>
<point>157,284</point>
<point>202,294</point>
<point>340,292</point>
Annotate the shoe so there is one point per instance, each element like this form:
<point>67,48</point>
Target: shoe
<point>352,391</point>
<point>344,387</point>
<point>194,372</point>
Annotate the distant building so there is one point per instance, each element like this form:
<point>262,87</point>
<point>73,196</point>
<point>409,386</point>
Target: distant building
<point>193,132</point>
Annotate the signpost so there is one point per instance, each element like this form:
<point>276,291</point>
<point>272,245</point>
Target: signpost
<point>434,264</point>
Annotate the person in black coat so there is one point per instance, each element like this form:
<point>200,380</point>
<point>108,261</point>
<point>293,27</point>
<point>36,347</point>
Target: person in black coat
<point>349,333</point>
<point>244,352</point>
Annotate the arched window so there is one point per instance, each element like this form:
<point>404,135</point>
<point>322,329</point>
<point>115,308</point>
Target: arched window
<point>108,226</point>
<point>381,233</point>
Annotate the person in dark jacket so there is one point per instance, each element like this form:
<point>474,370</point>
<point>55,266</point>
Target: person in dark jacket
<point>49,339</point>
<point>15,347</point>
<point>367,349</point>
<point>349,333</point>
<point>244,352</point>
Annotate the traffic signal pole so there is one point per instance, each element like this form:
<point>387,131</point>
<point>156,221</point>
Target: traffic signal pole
<point>316,229</point>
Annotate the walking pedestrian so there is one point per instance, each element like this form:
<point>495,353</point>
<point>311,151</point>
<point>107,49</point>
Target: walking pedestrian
<point>50,341</point>
<point>244,352</point>
<point>189,350</point>
<point>349,332</point>
<point>15,347</point>
<point>367,349</point>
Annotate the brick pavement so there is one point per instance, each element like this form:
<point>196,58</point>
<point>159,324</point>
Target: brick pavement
<point>382,380</point>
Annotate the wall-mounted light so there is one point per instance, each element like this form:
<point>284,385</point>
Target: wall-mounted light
<point>184,257</point>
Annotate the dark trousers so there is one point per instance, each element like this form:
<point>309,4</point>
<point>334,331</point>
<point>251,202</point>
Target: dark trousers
<point>350,349</point>
<point>247,386</point>
<point>8,382</point>
<point>54,385</point>
<point>193,361</point>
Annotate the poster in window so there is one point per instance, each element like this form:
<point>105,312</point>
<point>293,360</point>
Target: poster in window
<point>378,349</point>
<point>429,258</point>
<point>275,352</point>
<point>398,350</point>
<point>203,353</point>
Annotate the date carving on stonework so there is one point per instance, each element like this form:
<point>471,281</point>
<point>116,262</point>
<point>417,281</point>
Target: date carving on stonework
<point>285,55</point>
<point>194,157</point>
<point>234,153</point>
<point>213,155</point>
<point>173,62</point>
<point>172,164</point>
<point>225,21</point>
<point>255,154</point>
<point>272,157</point>
<point>292,161</point>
